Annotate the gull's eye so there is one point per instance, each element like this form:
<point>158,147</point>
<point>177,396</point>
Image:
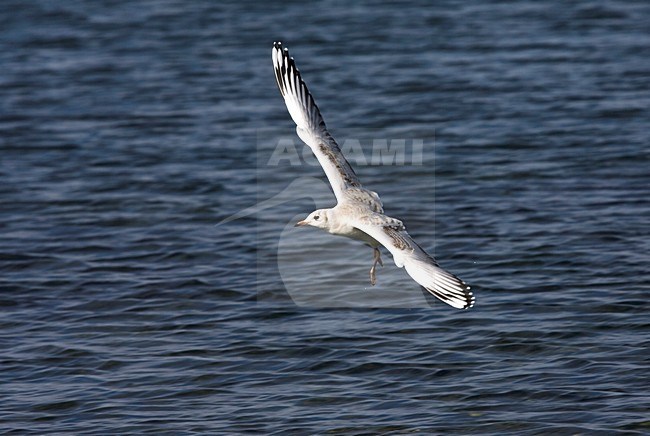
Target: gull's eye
<point>316,218</point>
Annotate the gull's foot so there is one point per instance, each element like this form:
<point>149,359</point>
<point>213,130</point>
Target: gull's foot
<point>376,259</point>
<point>373,276</point>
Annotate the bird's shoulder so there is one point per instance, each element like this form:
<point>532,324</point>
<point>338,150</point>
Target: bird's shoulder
<point>380,220</point>
<point>387,229</point>
<point>362,197</point>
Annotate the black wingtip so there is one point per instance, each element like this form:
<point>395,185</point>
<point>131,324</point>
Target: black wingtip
<point>278,46</point>
<point>469,298</point>
<point>285,51</point>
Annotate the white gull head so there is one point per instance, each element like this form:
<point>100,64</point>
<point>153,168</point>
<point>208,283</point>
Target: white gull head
<point>318,218</point>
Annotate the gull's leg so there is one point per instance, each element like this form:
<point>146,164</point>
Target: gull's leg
<point>376,258</point>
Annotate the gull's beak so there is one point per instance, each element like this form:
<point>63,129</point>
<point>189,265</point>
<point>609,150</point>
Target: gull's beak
<point>300,224</point>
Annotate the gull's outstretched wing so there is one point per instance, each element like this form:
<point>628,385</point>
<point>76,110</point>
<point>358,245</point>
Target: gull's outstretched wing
<point>423,268</point>
<point>311,128</point>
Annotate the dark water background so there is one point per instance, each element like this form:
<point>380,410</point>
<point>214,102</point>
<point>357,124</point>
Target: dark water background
<point>128,129</point>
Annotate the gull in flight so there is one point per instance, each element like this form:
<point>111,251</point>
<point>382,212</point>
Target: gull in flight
<point>359,213</point>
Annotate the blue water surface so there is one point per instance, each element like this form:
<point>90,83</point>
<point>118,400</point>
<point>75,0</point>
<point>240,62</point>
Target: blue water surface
<point>129,129</point>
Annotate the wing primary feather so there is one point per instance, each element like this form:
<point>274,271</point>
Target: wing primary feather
<point>311,127</point>
<point>418,263</point>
